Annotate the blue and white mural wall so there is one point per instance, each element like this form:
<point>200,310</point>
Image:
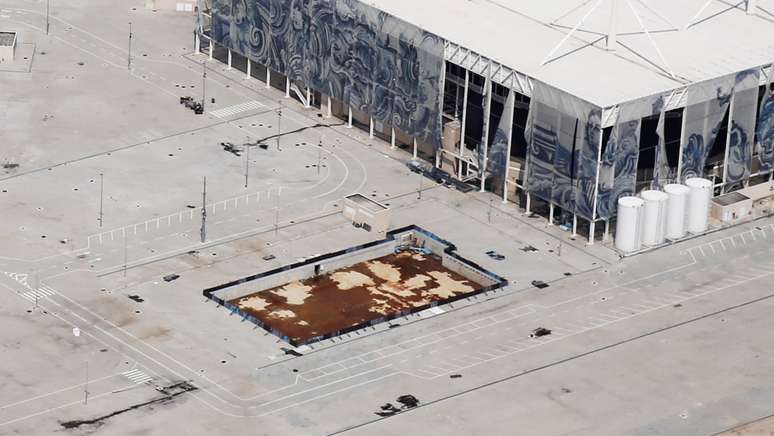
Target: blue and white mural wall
<point>618,165</point>
<point>764,132</point>
<point>357,54</point>
<point>563,149</point>
<point>706,105</point>
<point>741,133</point>
<point>499,149</point>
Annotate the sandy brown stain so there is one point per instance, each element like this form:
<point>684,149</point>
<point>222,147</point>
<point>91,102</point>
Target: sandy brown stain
<point>282,314</point>
<point>253,302</point>
<point>347,280</point>
<point>447,285</point>
<point>384,271</point>
<point>155,332</point>
<point>294,293</point>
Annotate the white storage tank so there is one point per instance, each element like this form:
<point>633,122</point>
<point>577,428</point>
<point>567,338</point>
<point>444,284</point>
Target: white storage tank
<point>698,204</point>
<point>678,199</point>
<point>653,217</point>
<point>627,230</point>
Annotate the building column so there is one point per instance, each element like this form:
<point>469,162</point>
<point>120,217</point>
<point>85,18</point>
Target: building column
<point>329,114</point>
<point>510,140</point>
<point>212,47</point>
<point>415,148</point>
<point>592,226</point>
<point>680,153</point>
<point>249,68</point>
<point>349,117</point>
<point>229,59</point>
<point>550,214</point>
<point>287,87</point>
<point>728,145</point>
<point>462,125</point>
<point>487,112</point>
<point>392,137</point>
<point>268,77</point>
<point>574,225</point>
<point>527,209</point>
<point>197,43</point>
<point>308,97</point>
<point>606,234</point>
<point>371,128</point>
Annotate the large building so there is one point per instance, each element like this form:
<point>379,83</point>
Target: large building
<point>563,106</point>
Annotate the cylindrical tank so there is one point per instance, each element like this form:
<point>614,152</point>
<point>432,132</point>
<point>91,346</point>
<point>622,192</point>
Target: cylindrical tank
<point>698,204</point>
<point>653,217</point>
<point>678,198</point>
<point>627,231</point>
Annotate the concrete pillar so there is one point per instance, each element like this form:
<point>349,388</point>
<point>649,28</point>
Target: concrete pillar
<point>392,137</point>
<point>349,117</point>
<point>197,43</point>
<point>308,97</point>
<point>606,234</point>
<point>415,148</point>
<point>529,200</point>
<point>329,114</point>
<point>212,45</point>
<point>229,59</point>
<point>371,129</point>
<point>268,77</point>
<point>592,226</point>
<point>287,87</point>
<point>551,214</point>
<point>574,225</point>
<point>249,68</point>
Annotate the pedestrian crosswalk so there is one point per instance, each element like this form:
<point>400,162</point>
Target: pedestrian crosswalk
<point>236,109</point>
<point>137,376</point>
<point>38,294</point>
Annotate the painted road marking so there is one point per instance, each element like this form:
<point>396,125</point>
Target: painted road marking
<point>137,376</point>
<point>236,109</point>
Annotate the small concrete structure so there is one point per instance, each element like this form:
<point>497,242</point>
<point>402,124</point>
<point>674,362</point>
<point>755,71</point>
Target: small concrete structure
<point>744,204</point>
<point>7,46</point>
<point>372,215</point>
<point>171,5</point>
<point>731,208</point>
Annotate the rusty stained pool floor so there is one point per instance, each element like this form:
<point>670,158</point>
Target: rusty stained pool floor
<point>355,295</point>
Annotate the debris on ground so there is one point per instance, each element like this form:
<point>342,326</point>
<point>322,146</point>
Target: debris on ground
<point>10,166</point>
<point>392,326</point>
<point>387,410</point>
<point>263,146</point>
<point>269,257</point>
<point>540,332</point>
<point>190,206</point>
<point>168,395</point>
<point>171,277</point>
<point>408,401</point>
<point>190,103</point>
<point>495,255</point>
<point>455,376</point>
<point>290,352</point>
<point>231,148</point>
<point>528,248</point>
<point>136,298</point>
<point>539,284</point>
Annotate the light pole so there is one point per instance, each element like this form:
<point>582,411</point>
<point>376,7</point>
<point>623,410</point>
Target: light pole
<point>203,230</point>
<point>48,9</point>
<point>279,124</point>
<point>204,83</point>
<point>101,197</point>
<point>129,55</point>
<point>247,160</point>
<point>319,156</point>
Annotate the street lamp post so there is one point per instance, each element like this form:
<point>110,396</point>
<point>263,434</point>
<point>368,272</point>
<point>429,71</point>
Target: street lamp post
<point>279,124</point>
<point>129,55</point>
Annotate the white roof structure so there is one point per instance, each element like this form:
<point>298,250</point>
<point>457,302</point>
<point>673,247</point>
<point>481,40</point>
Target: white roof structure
<point>660,45</point>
